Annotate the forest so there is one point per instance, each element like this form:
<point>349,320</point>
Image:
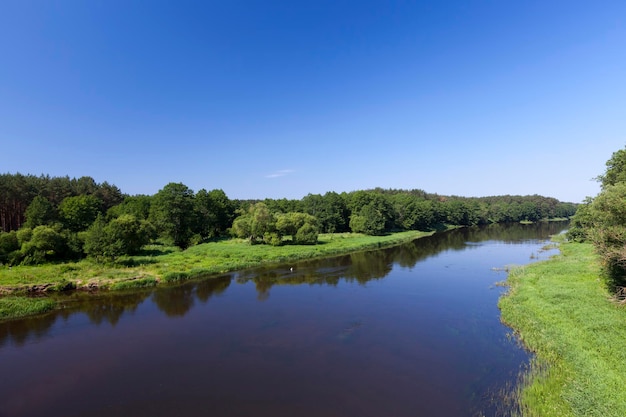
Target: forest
<point>54,219</point>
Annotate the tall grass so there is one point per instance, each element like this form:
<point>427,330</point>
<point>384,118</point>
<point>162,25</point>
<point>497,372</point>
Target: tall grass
<point>562,311</point>
<point>13,307</point>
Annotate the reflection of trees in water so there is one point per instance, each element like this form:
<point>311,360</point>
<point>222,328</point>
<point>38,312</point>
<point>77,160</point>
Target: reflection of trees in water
<point>177,301</point>
<point>174,301</point>
<point>366,266</point>
<point>105,307</point>
<point>360,267</point>
<point>515,232</point>
<point>108,307</point>
<point>213,286</point>
<point>21,331</point>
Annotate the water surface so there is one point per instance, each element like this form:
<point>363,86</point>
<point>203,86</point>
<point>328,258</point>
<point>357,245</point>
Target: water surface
<point>408,331</point>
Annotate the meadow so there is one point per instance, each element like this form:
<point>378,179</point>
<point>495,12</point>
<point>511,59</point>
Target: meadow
<point>562,311</point>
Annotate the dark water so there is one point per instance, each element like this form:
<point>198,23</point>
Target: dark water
<point>409,331</point>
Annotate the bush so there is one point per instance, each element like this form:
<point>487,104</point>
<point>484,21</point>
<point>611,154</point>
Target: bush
<point>307,235</point>
<point>124,235</point>
<point>607,231</point>
<point>8,244</point>
<point>24,235</point>
<point>272,238</point>
<point>44,245</point>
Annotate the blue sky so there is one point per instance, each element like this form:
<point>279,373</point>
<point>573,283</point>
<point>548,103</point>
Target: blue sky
<point>280,99</point>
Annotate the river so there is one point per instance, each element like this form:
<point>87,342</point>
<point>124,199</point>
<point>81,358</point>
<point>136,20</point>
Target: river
<point>412,330</point>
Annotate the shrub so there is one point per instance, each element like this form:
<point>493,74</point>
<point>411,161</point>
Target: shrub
<point>307,235</point>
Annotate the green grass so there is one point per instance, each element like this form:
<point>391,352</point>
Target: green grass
<point>135,283</point>
<point>224,256</point>
<point>561,310</point>
<point>13,307</point>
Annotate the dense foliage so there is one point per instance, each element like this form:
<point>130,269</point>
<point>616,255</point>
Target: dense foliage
<point>45,219</point>
<point>602,220</point>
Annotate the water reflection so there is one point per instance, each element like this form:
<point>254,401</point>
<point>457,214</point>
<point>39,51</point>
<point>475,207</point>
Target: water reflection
<point>377,264</point>
<point>102,308</point>
<point>178,301</point>
<point>20,332</point>
<point>361,267</point>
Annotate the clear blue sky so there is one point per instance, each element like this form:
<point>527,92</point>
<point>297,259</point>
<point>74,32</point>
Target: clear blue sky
<point>284,98</point>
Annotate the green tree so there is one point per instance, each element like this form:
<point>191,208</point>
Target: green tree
<point>45,244</point>
<point>242,227</point>
<point>96,240</point>
<point>124,235</point>
<point>608,230</point>
<point>39,212</point>
<point>263,221</point>
<point>127,234</point>
<point>307,234</point>
<point>615,169</point>
<point>257,225</point>
<point>371,212</point>
<point>172,213</point>
<point>137,205</point>
<point>109,196</point>
<point>419,215</point>
<point>8,245</point>
<point>79,212</point>
<point>330,210</point>
<point>582,222</point>
<point>603,220</point>
<point>214,213</point>
<point>282,205</point>
<point>292,224</point>
<point>370,221</point>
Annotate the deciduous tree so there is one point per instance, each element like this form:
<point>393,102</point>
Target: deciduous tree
<point>172,213</point>
<point>79,212</point>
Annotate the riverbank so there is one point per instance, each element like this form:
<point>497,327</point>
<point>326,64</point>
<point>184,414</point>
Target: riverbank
<point>159,264</point>
<point>561,311</point>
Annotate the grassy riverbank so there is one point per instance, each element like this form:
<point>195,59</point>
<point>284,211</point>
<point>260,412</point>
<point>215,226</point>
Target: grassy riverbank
<point>158,264</point>
<point>563,312</point>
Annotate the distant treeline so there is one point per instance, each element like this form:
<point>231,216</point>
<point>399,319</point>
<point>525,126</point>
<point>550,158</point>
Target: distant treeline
<point>45,218</point>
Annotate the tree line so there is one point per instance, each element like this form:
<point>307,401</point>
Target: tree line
<point>45,218</point>
<point>602,220</point>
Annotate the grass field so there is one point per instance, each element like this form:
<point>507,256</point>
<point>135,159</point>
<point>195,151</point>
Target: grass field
<point>561,310</point>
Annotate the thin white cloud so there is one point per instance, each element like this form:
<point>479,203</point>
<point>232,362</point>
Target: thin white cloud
<point>280,173</point>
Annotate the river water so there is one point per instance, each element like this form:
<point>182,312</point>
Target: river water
<point>409,331</point>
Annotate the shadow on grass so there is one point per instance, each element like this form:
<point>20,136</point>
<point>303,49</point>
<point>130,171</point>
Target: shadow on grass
<point>291,243</point>
<point>154,250</point>
<point>130,262</point>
